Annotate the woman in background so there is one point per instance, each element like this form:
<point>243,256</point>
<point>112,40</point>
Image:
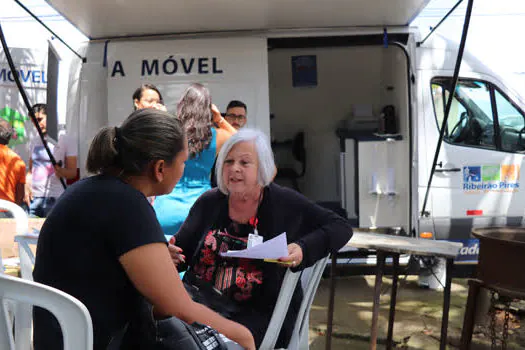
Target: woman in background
<point>148,96</point>
<point>197,114</point>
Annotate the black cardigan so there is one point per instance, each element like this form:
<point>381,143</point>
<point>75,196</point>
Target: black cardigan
<point>316,230</point>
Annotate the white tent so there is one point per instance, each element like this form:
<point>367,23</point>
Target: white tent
<point>101,19</point>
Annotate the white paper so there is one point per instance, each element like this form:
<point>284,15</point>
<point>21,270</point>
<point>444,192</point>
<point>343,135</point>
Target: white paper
<point>274,248</point>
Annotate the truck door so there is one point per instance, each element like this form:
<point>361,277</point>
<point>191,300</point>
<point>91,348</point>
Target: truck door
<point>477,179</point>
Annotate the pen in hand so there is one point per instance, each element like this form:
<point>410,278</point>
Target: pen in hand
<point>277,261</point>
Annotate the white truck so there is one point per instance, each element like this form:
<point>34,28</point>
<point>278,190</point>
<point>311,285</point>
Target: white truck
<point>328,69</point>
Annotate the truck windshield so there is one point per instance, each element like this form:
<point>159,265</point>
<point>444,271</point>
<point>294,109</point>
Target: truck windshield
<point>475,108</point>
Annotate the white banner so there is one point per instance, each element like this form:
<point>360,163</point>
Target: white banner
<point>31,66</point>
<point>232,68</point>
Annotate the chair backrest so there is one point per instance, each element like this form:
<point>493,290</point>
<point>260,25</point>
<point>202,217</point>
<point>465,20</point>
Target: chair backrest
<point>72,315</point>
<point>22,311</point>
<point>22,222</point>
<point>310,282</point>
<point>25,254</point>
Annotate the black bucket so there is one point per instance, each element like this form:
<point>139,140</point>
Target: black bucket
<point>502,257</point>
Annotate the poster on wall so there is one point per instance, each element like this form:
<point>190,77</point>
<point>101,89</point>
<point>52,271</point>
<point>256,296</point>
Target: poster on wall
<point>304,70</point>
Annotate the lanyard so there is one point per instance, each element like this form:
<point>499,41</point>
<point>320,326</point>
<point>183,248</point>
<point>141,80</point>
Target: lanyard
<point>254,238</point>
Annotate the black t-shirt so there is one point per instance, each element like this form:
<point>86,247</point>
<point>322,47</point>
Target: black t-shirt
<point>93,223</point>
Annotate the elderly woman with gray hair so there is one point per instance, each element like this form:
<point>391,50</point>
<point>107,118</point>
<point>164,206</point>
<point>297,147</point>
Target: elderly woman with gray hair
<point>245,200</point>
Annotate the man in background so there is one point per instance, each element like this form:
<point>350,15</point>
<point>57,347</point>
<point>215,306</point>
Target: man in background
<point>236,114</point>
<point>12,170</point>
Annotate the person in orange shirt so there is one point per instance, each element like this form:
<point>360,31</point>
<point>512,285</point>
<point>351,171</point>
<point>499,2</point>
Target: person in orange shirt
<point>12,170</point>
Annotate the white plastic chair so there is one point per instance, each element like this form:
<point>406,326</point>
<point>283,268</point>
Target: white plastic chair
<point>310,278</point>
<point>72,315</point>
<point>22,312</point>
<point>20,216</point>
<point>27,258</point>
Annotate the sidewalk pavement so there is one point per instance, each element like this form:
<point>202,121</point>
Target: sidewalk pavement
<point>418,316</point>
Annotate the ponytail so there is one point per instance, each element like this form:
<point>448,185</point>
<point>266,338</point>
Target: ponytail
<point>102,154</point>
<point>146,135</point>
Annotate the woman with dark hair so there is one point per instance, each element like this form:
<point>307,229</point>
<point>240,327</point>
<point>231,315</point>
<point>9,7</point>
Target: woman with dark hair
<point>148,96</point>
<point>198,116</point>
<point>103,245</point>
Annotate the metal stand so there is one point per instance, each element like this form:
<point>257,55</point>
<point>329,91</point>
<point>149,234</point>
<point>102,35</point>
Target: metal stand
<point>475,286</point>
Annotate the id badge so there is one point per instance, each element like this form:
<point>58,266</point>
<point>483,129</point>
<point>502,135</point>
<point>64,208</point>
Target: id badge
<point>254,239</point>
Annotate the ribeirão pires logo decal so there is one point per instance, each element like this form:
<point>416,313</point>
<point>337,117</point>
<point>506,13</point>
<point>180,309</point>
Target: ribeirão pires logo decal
<point>495,178</point>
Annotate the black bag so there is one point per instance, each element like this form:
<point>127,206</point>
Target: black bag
<point>171,333</point>
<point>204,293</point>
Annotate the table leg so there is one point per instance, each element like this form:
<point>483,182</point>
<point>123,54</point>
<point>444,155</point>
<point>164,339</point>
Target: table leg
<point>393,297</point>
<point>331,302</point>
<point>377,298</point>
<point>446,304</point>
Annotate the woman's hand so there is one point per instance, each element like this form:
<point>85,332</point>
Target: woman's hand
<point>59,171</point>
<point>216,116</point>
<point>160,107</point>
<point>28,194</point>
<point>245,338</point>
<point>69,171</point>
<point>176,252</point>
<point>295,256</point>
